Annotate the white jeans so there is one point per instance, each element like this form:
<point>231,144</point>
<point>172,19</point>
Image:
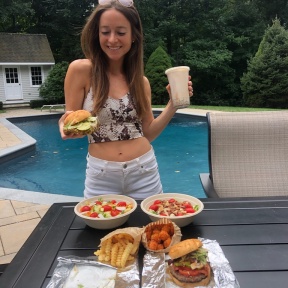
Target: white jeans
<point>138,178</point>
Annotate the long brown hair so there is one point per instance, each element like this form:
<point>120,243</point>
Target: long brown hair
<point>133,62</point>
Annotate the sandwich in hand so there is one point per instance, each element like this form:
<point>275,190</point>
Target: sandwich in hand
<point>80,122</point>
<point>189,266</point>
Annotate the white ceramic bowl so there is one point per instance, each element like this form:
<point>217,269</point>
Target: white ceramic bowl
<point>180,221</point>
<point>106,223</point>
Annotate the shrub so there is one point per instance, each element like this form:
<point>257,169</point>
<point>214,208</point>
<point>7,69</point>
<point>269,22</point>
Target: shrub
<point>155,68</point>
<point>265,83</point>
<point>52,90</point>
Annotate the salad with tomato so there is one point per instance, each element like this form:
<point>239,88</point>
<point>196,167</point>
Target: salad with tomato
<point>105,209</point>
<point>172,207</point>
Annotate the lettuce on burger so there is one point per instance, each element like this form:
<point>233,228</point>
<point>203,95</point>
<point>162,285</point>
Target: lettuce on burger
<point>189,266</point>
<point>80,122</point>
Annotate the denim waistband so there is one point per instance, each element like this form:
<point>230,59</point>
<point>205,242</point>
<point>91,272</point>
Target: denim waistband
<point>111,165</point>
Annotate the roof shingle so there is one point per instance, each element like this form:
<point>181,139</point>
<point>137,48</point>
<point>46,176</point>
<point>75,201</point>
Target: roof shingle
<point>25,48</point>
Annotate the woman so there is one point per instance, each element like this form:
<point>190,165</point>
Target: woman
<point>110,84</point>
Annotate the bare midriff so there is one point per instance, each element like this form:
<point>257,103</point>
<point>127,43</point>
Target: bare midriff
<point>120,151</point>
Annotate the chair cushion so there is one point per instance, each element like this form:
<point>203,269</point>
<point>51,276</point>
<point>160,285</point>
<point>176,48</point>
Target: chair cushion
<point>249,153</point>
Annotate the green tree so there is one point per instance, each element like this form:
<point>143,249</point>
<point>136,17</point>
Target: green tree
<point>52,90</point>
<point>265,83</point>
<point>15,15</point>
<point>62,22</point>
<point>155,68</point>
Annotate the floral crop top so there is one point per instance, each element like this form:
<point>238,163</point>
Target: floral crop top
<point>118,119</point>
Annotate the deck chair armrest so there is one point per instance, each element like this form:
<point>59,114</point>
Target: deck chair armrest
<point>208,185</point>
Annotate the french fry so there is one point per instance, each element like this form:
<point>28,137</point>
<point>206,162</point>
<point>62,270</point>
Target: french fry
<point>117,250</point>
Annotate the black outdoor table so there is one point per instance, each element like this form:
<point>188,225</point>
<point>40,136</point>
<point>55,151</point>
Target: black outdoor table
<point>252,232</point>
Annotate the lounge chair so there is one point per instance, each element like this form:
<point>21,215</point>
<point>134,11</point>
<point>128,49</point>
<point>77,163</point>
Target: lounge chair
<point>248,154</point>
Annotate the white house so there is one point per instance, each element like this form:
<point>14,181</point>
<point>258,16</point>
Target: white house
<point>25,61</point>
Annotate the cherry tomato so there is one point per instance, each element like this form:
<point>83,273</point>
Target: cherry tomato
<point>187,205</point>
<point>122,204</point>
<point>190,210</point>
<point>171,200</point>
<point>85,209</point>
<point>115,213</point>
<point>113,201</point>
<point>98,202</point>
<point>154,207</point>
<point>94,215</point>
<point>157,202</point>
<point>180,214</point>
<point>107,208</point>
<point>163,214</point>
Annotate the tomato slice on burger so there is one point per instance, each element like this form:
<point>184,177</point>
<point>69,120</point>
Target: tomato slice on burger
<point>187,271</point>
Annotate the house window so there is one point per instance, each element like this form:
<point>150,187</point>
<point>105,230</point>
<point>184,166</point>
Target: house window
<point>36,76</point>
<point>11,75</point>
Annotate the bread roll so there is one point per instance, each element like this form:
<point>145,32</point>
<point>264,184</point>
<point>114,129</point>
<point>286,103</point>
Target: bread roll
<point>184,247</point>
<point>76,117</point>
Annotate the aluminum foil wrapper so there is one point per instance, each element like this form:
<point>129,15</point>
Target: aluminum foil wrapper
<point>74,272</point>
<point>154,274</point>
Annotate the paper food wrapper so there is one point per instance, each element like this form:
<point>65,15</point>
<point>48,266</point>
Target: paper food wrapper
<point>176,238</point>
<point>135,232</point>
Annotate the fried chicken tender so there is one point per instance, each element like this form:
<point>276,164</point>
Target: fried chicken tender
<point>163,235</point>
<point>153,245</point>
<point>159,236</point>
<point>167,242</point>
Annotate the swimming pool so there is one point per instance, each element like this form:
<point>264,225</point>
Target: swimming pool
<point>58,166</point>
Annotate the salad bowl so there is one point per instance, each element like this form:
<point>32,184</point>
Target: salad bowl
<point>105,211</point>
<point>179,208</point>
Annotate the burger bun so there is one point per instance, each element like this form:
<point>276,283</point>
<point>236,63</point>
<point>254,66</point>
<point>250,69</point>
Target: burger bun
<point>76,117</point>
<point>80,122</point>
<point>184,247</point>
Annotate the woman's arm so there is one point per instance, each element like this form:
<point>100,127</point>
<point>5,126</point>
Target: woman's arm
<point>76,87</point>
<point>152,127</point>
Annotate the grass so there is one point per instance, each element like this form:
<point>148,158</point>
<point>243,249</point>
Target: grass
<point>224,108</point>
<point>217,108</point>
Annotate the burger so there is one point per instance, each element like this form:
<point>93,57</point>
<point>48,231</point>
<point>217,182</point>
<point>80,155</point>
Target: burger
<point>189,266</point>
<point>80,122</point>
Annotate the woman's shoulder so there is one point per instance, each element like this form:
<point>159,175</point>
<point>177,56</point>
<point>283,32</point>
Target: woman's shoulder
<point>81,65</point>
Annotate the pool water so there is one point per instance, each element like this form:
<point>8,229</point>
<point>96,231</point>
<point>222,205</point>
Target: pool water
<point>58,166</point>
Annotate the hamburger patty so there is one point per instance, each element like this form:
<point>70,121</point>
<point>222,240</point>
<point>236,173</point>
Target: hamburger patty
<point>190,279</point>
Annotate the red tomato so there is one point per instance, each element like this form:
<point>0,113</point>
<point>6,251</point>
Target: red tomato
<point>115,212</point>
<point>154,207</point>
<point>163,214</point>
<point>94,215</point>
<point>107,208</point>
<point>122,204</point>
<point>190,210</point>
<point>180,214</point>
<point>113,201</point>
<point>157,202</point>
<point>85,209</point>
<point>187,205</point>
<point>186,271</point>
<point>172,200</point>
<point>98,202</point>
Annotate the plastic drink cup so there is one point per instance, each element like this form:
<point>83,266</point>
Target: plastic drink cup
<point>178,80</point>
